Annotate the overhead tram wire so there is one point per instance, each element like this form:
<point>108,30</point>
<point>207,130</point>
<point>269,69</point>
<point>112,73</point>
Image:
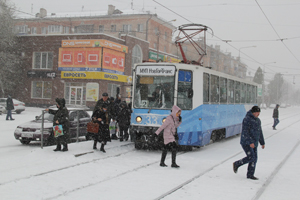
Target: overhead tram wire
<point>212,35</point>
<point>277,32</point>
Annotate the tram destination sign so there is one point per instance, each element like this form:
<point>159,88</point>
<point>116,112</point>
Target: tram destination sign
<point>155,70</point>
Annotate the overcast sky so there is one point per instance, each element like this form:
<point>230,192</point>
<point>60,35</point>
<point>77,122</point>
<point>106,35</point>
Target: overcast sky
<point>247,23</point>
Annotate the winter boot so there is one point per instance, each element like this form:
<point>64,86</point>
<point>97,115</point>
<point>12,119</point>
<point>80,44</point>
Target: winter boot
<point>95,144</point>
<point>163,157</point>
<point>102,148</point>
<point>58,148</point>
<point>65,147</point>
<point>174,160</point>
<point>235,168</point>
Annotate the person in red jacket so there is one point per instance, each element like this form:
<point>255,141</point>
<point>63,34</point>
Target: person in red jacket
<point>170,135</point>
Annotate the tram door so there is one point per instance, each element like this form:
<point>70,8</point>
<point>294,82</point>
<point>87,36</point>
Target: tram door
<point>76,95</point>
<point>185,86</point>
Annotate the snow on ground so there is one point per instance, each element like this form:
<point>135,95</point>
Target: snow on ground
<point>30,172</point>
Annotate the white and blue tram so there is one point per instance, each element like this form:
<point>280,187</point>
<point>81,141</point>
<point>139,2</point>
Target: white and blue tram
<point>213,103</point>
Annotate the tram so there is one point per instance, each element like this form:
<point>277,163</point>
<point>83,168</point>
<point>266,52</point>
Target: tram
<point>213,103</point>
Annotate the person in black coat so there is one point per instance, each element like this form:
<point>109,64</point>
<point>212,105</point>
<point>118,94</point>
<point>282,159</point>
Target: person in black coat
<point>275,116</point>
<point>61,117</point>
<point>101,117</point>
<point>123,120</point>
<point>9,107</point>
<point>250,136</point>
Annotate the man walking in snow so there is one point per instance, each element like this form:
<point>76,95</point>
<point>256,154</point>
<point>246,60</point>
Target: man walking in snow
<point>251,135</point>
<point>275,116</point>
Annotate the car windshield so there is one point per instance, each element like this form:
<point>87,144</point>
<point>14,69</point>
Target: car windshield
<point>47,116</point>
<point>154,91</point>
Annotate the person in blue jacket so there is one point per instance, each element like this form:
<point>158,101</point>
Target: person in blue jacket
<point>251,135</point>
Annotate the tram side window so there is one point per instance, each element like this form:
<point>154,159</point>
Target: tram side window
<point>243,93</point>
<point>215,92</point>
<point>230,93</point>
<point>205,88</point>
<point>223,90</point>
<point>184,86</point>
<point>237,92</point>
<point>248,94</point>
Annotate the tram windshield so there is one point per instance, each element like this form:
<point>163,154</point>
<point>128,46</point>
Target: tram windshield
<point>154,90</point>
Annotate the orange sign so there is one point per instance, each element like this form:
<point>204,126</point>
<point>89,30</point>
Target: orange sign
<point>79,59</point>
<point>113,61</point>
<point>94,43</point>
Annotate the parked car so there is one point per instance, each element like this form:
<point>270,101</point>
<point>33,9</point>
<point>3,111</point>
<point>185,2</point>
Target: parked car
<point>31,131</point>
<point>2,109</point>
<point>19,105</point>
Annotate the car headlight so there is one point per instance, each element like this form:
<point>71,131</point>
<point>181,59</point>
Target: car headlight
<point>138,119</point>
<point>164,119</point>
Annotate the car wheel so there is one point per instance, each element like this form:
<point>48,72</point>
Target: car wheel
<point>18,112</point>
<point>25,141</point>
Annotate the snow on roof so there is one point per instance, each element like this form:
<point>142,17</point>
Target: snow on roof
<point>83,14</point>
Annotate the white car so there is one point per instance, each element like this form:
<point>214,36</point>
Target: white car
<point>19,105</point>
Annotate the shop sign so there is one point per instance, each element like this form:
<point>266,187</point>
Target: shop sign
<point>40,74</point>
<point>153,56</point>
<point>95,43</point>
<point>93,75</point>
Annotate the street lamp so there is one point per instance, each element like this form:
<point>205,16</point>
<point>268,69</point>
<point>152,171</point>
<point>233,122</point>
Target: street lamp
<point>263,83</point>
<point>158,33</point>
<point>243,48</point>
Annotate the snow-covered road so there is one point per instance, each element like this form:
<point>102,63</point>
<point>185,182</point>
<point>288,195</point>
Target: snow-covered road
<point>29,172</point>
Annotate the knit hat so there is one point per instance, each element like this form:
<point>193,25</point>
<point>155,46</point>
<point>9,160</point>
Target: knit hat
<point>255,109</point>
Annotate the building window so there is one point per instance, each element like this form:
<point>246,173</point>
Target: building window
<point>165,48</point>
<point>126,28</point>
<point>43,60</point>
<point>84,29</point>
<point>166,35</point>
<point>154,45</point>
<point>66,29</point>
<point>33,30</point>
<point>41,89</point>
<point>101,28</point>
<point>54,29</point>
<point>140,28</point>
<point>137,55</point>
<point>21,29</point>
<point>113,28</point>
<point>44,30</point>
<point>156,31</point>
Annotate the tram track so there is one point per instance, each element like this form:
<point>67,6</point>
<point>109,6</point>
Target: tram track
<point>149,164</point>
<point>156,162</point>
<point>259,192</point>
<point>71,166</point>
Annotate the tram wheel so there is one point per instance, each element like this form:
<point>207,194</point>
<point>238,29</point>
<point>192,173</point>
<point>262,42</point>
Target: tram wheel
<point>214,136</point>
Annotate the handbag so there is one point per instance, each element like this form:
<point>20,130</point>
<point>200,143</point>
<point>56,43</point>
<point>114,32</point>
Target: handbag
<point>92,127</point>
<point>58,130</point>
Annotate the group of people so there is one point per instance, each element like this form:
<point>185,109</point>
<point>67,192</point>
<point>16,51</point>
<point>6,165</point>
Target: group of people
<point>105,111</point>
<point>108,110</point>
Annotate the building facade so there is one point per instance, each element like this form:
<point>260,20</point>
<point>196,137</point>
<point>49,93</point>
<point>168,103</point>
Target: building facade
<point>78,67</point>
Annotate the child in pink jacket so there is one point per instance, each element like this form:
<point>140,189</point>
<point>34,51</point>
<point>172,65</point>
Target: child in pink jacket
<point>169,127</point>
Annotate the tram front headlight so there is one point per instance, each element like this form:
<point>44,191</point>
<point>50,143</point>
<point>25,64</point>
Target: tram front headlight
<point>138,119</point>
<point>164,119</point>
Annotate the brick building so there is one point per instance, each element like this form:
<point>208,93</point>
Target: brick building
<point>78,67</point>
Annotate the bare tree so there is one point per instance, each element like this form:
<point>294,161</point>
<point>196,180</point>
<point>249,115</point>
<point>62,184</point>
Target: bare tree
<point>10,57</point>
